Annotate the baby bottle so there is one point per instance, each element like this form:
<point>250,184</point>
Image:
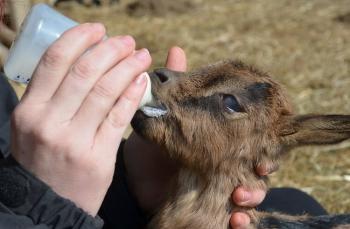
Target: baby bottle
<point>41,27</point>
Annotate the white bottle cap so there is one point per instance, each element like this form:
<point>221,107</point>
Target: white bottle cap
<point>41,27</point>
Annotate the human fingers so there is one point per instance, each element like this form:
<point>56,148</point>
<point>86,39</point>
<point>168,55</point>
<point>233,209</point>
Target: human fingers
<point>176,59</point>
<point>248,198</point>
<point>58,59</point>
<point>119,117</point>
<point>109,88</point>
<point>239,220</point>
<point>87,70</point>
<point>266,169</point>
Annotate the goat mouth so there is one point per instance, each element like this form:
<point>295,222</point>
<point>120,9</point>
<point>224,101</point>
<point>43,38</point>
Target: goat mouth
<point>154,111</point>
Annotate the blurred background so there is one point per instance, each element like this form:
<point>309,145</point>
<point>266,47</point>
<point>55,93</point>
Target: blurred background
<point>303,44</point>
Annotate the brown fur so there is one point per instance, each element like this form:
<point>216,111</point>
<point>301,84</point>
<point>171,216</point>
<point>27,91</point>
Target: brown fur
<point>218,149</point>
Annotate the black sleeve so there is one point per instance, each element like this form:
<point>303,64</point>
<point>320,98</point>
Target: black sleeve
<point>19,222</point>
<point>8,101</point>
<point>120,208</point>
<point>26,202</point>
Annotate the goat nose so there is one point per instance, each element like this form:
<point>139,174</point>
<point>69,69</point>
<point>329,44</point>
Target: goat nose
<point>164,75</point>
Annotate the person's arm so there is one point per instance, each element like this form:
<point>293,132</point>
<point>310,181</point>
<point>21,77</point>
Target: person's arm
<point>27,202</point>
<point>8,102</point>
<point>18,222</point>
<point>68,125</point>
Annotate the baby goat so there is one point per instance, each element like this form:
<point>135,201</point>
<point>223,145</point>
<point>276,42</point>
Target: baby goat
<point>219,123</point>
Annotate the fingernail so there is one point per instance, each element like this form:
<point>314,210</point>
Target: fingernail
<point>246,196</point>
<point>244,221</point>
<point>239,220</point>
<point>127,40</point>
<point>262,170</point>
<point>142,54</point>
<point>141,78</point>
<point>97,27</point>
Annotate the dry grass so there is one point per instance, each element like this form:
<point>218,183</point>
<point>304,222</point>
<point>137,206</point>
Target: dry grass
<point>300,42</point>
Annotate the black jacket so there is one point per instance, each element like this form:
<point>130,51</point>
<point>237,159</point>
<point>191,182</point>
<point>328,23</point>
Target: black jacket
<point>26,202</point>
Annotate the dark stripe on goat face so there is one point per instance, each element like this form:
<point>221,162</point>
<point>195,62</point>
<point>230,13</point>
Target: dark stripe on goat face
<point>258,92</point>
<point>208,104</point>
<point>213,82</point>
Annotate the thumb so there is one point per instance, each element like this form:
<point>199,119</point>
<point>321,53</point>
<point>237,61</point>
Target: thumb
<point>176,60</point>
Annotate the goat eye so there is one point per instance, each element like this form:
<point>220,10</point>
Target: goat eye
<point>231,104</point>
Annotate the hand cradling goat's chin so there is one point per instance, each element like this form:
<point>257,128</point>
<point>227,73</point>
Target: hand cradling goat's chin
<point>219,122</point>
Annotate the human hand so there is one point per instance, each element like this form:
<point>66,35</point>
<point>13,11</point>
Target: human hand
<point>150,171</point>
<point>68,126</point>
<point>248,198</point>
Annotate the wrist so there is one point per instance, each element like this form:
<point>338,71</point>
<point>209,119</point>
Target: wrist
<point>85,189</point>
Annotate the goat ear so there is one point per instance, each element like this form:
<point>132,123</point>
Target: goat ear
<point>315,130</point>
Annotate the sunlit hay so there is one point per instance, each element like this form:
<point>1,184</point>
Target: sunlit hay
<point>305,44</point>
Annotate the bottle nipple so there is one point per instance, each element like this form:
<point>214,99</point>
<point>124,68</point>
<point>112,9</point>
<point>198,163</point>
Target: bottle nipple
<point>147,96</point>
